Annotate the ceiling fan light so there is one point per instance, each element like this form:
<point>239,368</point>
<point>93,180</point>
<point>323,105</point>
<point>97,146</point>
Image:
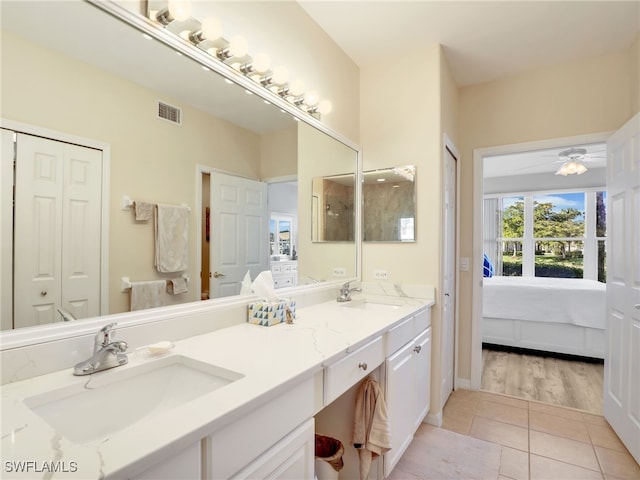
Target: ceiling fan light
<point>580,169</point>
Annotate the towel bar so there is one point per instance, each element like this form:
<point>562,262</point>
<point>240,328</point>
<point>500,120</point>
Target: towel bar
<point>127,203</point>
<point>126,282</point>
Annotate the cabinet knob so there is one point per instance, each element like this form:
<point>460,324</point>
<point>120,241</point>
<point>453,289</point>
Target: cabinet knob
<point>363,366</point>
<point>43,293</point>
<point>417,348</point>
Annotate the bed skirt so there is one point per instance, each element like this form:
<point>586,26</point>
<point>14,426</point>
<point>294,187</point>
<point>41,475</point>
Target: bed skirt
<point>545,336</point>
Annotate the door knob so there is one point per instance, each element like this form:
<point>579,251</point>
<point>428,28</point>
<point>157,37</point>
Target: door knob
<point>218,275</point>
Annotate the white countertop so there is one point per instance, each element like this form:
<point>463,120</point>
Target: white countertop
<point>272,360</point>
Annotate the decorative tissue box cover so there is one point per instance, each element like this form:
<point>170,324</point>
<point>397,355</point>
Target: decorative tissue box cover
<point>270,313</point>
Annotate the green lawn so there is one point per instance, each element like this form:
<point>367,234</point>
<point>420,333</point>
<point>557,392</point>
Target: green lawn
<point>546,266</point>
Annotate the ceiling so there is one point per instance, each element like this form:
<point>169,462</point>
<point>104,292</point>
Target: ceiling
<point>482,40</point>
<point>540,161</point>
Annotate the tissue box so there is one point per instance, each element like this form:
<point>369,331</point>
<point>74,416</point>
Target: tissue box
<point>270,313</point>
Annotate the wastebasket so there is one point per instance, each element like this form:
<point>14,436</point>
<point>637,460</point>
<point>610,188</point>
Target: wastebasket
<point>328,453</point>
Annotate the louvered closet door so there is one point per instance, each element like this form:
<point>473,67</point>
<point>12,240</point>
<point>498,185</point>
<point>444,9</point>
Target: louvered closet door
<point>57,230</point>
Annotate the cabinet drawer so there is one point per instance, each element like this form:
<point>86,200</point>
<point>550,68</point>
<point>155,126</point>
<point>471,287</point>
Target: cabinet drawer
<point>422,320</point>
<point>237,445</point>
<point>345,373</point>
<point>276,269</point>
<point>399,335</point>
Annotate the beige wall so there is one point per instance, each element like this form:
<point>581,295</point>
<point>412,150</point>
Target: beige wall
<point>407,104</point>
<point>581,97</point>
<point>634,73</point>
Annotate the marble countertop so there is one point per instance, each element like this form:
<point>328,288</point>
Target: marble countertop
<point>271,360</point>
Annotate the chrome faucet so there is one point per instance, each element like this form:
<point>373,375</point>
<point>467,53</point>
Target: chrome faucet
<point>346,291</point>
<point>66,315</point>
<point>107,353</point>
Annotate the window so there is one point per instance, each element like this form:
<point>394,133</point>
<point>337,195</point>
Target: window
<point>559,232</point>
<point>548,234</point>
<point>280,235</point>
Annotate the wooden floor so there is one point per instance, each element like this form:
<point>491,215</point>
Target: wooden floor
<point>551,380</point>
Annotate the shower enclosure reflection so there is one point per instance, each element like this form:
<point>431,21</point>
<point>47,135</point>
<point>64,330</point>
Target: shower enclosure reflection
<point>333,213</point>
<point>389,205</point>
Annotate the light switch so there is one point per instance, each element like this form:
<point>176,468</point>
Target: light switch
<point>464,264</point>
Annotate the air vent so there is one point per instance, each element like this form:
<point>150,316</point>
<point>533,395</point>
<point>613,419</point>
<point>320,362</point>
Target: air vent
<point>169,113</point>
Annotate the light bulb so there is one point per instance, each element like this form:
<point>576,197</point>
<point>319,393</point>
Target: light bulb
<point>180,10</point>
<point>325,107</point>
<point>280,75</point>
<point>296,88</point>
<point>261,62</point>
<point>238,46</point>
<point>311,98</point>
<point>211,28</point>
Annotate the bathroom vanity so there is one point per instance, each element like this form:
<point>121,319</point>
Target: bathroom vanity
<point>238,402</point>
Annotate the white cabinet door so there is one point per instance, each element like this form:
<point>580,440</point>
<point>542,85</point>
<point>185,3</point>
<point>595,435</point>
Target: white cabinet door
<point>422,361</point>
<point>400,403</point>
<point>292,458</point>
<point>408,388</point>
<point>185,465</point>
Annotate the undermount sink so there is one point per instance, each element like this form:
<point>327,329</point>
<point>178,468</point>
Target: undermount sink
<point>115,399</point>
<point>367,304</point>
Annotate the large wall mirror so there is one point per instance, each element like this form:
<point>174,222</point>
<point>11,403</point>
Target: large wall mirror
<point>389,204</point>
<point>71,68</point>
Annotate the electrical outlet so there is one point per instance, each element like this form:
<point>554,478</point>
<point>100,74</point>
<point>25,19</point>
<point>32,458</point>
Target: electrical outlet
<point>339,272</point>
<point>380,274</point>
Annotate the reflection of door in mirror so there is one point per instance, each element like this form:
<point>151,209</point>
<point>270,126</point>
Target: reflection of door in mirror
<point>389,205</point>
<point>57,231</point>
<point>239,218</point>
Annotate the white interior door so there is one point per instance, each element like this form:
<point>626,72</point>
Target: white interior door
<point>622,357</point>
<point>449,280</point>
<point>57,230</point>
<point>239,232</point>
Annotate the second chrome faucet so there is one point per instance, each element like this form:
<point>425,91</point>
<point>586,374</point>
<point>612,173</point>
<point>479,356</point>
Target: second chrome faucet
<point>107,353</point>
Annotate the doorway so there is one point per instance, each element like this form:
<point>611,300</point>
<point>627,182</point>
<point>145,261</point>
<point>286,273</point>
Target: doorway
<point>524,263</point>
<point>233,230</point>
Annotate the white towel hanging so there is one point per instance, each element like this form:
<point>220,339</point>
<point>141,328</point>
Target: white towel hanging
<point>171,238</point>
<point>148,294</point>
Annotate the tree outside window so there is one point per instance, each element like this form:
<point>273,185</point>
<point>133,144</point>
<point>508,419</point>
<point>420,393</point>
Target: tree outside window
<point>558,235</point>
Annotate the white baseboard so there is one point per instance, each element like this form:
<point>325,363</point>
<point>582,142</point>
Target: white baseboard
<point>463,383</point>
<point>435,420</point>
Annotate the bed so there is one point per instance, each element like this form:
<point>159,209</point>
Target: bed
<point>561,315</point>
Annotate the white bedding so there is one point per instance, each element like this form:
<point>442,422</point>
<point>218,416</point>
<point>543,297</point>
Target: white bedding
<point>558,300</point>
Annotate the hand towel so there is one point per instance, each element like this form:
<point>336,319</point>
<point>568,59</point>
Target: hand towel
<point>177,285</point>
<point>171,238</point>
<point>148,294</point>
<point>371,431</point>
<point>144,210</point>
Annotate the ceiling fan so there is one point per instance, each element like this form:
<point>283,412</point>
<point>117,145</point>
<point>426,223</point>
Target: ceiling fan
<point>574,162</point>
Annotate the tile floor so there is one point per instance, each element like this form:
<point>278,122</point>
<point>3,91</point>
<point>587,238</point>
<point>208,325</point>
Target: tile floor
<point>490,436</point>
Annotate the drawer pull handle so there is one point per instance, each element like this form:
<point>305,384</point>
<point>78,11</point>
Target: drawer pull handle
<point>417,349</point>
<point>363,366</point>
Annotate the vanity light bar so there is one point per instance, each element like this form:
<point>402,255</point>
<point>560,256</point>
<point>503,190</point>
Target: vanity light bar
<point>207,36</point>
